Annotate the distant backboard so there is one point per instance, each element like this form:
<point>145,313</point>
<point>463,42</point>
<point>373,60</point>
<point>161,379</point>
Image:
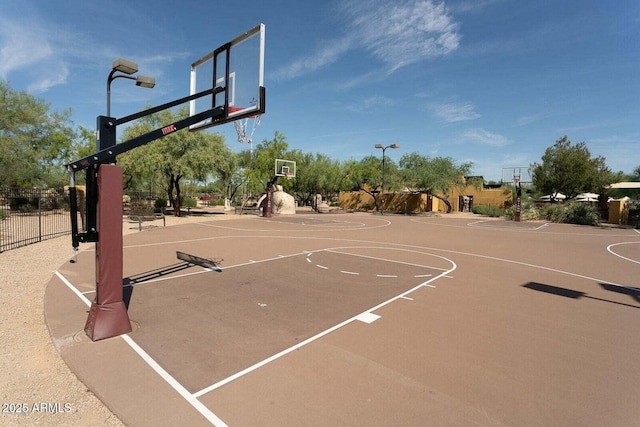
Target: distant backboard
<point>285,168</point>
<point>236,71</point>
<point>517,175</point>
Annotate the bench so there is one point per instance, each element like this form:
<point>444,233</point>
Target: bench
<point>145,213</point>
<point>247,209</point>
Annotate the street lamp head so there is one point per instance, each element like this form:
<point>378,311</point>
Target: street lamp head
<point>395,146</point>
<point>379,146</point>
<point>124,66</point>
<point>145,81</point>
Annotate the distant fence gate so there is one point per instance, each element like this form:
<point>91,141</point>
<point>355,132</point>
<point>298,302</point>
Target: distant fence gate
<point>32,215</point>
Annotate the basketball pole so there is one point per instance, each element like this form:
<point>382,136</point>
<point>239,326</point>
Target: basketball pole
<point>108,316</point>
<point>516,182</point>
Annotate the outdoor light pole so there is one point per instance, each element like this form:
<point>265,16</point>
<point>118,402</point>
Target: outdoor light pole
<point>383,148</point>
<point>127,67</point>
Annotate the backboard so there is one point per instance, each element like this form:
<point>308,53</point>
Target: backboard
<point>235,71</point>
<point>285,168</point>
<point>517,175</point>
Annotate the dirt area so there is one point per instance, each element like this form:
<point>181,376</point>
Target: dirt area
<point>36,386</point>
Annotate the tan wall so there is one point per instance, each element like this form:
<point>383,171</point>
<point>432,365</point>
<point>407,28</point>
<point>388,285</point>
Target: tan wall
<point>618,212</point>
<point>485,197</point>
<point>402,202</point>
<point>394,202</point>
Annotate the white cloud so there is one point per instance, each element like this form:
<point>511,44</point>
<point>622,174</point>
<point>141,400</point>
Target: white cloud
<point>455,112</point>
<point>21,45</point>
<point>473,6</point>
<point>397,33</point>
<point>373,103</point>
<point>319,59</point>
<point>57,77</point>
<point>402,32</point>
<point>486,138</point>
<point>532,118</point>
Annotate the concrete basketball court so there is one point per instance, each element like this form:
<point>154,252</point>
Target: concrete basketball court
<point>360,319</point>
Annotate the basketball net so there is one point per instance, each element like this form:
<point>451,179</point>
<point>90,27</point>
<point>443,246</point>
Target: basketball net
<point>245,134</point>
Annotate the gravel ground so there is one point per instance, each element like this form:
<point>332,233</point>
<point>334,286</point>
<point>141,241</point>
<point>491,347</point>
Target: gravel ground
<point>34,379</point>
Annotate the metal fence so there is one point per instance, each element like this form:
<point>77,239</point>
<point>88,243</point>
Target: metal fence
<point>32,215</point>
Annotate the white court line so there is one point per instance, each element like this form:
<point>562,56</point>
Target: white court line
<point>73,289</point>
<point>315,337</point>
<point>543,225</point>
<point>620,256</point>
<point>425,221</point>
<point>385,223</point>
<point>189,397</point>
<point>387,275</point>
<point>322,267</point>
<point>179,276</point>
<point>333,250</point>
<point>353,273</point>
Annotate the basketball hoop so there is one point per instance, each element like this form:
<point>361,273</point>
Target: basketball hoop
<point>241,125</point>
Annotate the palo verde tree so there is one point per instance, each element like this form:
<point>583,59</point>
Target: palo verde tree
<point>435,176</point>
<point>259,167</point>
<point>34,142</point>
<point>316,174</point>
<point>569,169</point>
<point>179,155</point>
<point>366,175</point>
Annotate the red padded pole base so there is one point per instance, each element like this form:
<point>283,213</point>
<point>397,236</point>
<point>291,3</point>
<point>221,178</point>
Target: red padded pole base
<point>107,321</point>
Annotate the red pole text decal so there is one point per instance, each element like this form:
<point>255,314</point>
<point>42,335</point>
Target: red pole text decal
<point>168,129</point>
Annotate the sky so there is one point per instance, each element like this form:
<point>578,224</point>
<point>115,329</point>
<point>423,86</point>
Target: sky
<point>492,82</point>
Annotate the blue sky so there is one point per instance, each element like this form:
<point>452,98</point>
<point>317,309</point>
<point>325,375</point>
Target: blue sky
<point>494,82</point>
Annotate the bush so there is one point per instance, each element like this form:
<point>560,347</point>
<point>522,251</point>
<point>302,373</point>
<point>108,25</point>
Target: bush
<point>582,213</point>
<point>573,213</point>
<point>528,212</point>
<point>188,202</point>
<point>556,213</point>
<point>159,205</point>
<point>3,214</point>
<point>22,204</point>
<point>492,211</point>
<point>634,214</point>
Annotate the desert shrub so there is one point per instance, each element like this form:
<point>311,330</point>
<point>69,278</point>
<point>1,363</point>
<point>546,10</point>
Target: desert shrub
<point>188,202</point>
<point>582,213</point>
<point>634,214</point>
<point>528,212</point>
<point>556,213</point>
<point>492,211</point>
<point>21,204</point>
<point>159,205</point>
<point>573,213</point>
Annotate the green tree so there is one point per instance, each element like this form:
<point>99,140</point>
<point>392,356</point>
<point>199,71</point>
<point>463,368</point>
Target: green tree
<point>259,167</point>
<point>366,175</point>
<point>634,176</point>
<point>34,142</point>
<point>435,176</point>
<point>316,174</point>
<point>177,156</point>
<point>569,169</point>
